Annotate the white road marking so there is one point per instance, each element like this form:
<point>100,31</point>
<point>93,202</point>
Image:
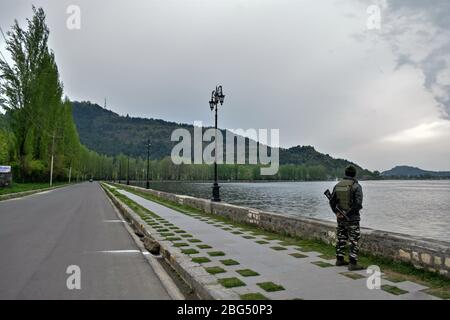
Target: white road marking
<point>43,192</point>
<point>122,221</point>
<point>120,251</point>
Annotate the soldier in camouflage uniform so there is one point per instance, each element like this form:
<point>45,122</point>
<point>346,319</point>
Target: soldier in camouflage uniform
<point>347,197</point>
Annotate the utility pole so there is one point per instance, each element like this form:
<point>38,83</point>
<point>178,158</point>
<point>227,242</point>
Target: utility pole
<point>120,170</point>
<point>128,170</point>
<point>148,163</point>
<point>70,172</point>
<point>51,164</point>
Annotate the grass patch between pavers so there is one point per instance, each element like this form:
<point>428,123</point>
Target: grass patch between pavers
<point>189,251</point>
<point>278,248</point>
<point>322,264</point>
<point>173,239</point>
<point>179,231</point>
<point>216,253</point>
<point>387,265</point>
<point>231,282</point>
<point>185,235</point>
<point>270,286</point>
<point>180,244</point>
<point>298,255</point>
<point>247,273</point>
<point>215,270</point>
<point>200,260</point>
<point>204,246</point>
<point>194,240</point>
<point>262,242</point>
<point>393,290</point>
<point>352,275</point>
<point>248,237</point>
<point>229,262</point>
<point>167,234</point>
<point>253,296</point>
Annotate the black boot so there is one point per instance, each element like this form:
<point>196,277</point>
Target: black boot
<point>340,261</point>
<point>354,266</point>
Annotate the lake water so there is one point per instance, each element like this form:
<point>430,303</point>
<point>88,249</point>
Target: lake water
<point>420,208</point>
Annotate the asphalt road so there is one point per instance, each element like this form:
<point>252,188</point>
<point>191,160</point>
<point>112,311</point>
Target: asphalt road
<point>43,234</point>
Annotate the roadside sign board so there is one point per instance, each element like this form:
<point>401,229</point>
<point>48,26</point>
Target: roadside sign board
<point>5,169</point>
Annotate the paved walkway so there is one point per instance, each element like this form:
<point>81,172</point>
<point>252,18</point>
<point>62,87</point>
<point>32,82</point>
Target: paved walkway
<point>302,275</point>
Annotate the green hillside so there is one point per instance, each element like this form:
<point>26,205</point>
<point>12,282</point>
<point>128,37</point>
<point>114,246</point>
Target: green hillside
<point>108,133</point>
<point>408,172</point>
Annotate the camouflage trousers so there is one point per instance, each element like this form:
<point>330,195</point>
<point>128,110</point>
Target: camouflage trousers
<point>347,231</point>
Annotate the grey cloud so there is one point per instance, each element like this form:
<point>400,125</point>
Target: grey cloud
<point>284,64</point>
<point>436,13</point>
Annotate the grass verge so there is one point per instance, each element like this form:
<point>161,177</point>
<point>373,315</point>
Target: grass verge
<point>22,187</point>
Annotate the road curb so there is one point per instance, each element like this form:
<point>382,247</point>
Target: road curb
<point>204,285</point>
<point>28,193</point>
<point>171,288</point>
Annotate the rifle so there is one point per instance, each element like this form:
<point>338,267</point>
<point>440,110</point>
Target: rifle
<point>327,194</point>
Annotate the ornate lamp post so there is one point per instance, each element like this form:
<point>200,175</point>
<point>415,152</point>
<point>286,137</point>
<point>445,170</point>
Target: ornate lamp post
<point>217,96</point>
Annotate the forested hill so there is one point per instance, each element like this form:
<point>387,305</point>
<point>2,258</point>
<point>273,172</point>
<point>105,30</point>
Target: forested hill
<point>108,133</point>
<point>408,172</point>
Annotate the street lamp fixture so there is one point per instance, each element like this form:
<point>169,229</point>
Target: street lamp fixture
<point>217,97</point>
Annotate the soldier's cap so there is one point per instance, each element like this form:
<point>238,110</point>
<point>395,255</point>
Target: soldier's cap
<point>350,171</point>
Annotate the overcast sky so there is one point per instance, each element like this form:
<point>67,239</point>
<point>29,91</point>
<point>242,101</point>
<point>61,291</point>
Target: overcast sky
<point>313,69</point>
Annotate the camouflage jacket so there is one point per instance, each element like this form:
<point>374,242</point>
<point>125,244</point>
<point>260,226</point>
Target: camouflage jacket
<point>356,201</point>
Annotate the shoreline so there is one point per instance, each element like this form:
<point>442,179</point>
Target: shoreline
<point>268,181</point>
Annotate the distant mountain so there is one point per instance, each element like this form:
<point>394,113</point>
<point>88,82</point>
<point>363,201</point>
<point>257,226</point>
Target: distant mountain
<point>414,172</point>
<point>106,132</point>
